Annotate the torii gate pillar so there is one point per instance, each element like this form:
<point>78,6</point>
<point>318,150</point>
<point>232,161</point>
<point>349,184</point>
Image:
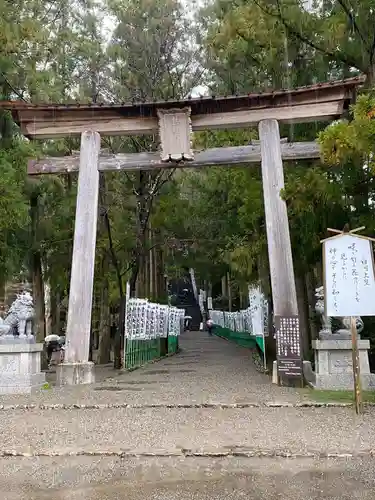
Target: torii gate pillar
<point>284,294</point>
<point>76,368</point>
<point>278,237</point>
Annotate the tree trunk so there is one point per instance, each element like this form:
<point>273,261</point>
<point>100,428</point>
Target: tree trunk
<point>158,267</point>
<point>56,313</point>
<point>241,298</point>
<point>38,297</point>
<point>310,291</point>
<point>140,248</point>
<point>151,266</point>
<point>107,224</point>
<point>229,293</point>
<point>303,311</point>
<point>318,273</point>
<point>162,291</point>
<point>155,272</point>
<point>104,348</point>
<point>146,276</point>
<point>370,77</point>
<point>224,287</point>
<point>97,313</point>
<point>47,302</point>
<point>36,272</point>
<point>133,280</point>
<point>119,343</point>
<point>3,307</point>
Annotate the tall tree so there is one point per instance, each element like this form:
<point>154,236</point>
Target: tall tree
<point>341,30</point>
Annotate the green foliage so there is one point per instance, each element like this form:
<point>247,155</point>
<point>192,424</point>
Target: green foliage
<point>212,219</point>
<point>250,47</point>
<point>14,216</point>
<point>348,151</point>
<point>151,49</point>
<point>340,32</point>
<point>253,45</point>
<point>346,141</point>
<point>314,203</point>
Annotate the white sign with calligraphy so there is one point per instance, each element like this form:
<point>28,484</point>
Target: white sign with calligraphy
<point>175,134</point>
<point>349,276</point>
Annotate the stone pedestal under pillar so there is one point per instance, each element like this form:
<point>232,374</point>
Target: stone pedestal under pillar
<point>334,366</point>
<point>75,373</point>
<point>20,367</point>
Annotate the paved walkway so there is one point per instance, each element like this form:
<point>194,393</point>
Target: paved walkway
<point>202,424</point>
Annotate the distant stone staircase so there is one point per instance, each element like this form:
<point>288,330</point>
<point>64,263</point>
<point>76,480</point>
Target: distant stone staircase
<point>183,289</point>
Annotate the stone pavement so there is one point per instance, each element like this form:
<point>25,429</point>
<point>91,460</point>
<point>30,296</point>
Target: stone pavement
<point>201,424</point>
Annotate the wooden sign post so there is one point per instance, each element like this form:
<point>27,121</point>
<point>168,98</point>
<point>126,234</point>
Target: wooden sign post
<point>349,286</point>
<point>356,367</point>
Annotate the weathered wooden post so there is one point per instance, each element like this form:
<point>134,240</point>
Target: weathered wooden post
<point>76,368</point>
<point>280,254</point>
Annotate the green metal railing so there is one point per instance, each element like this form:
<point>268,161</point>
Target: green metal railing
<point>245,339</point>
<point>172,345</point>
<point>141,352</point>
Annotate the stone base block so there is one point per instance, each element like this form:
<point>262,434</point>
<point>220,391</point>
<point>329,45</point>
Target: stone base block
<point>75,373</point>
<point>334,365</point>
<point>20,371</point>
<point>12,339</point>
<point>344,382</point>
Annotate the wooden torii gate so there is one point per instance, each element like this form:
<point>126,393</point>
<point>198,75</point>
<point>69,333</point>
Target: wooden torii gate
<point>174,121</point>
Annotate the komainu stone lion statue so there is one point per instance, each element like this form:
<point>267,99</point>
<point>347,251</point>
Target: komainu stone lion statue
<point>18,320</point>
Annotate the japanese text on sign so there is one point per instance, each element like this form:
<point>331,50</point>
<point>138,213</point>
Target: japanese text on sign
<point>288,337</point>
<point>288,345</point>
<point>349,276</point>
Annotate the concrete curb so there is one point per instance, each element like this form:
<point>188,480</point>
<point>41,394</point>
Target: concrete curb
<point>222,406</point>
<point>217,453</point>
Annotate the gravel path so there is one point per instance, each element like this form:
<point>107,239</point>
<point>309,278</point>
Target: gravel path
<point>209,369</point>
<point>165,431</point>
<point>186,479</point>
<point>258,452</point>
